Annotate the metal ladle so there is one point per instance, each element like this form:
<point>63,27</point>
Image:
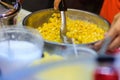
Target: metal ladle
<point>63,29</point>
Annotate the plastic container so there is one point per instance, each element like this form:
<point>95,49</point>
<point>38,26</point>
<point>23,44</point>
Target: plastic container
<point>74,69</point>
<point>19,48</point>
<point>75,52</point>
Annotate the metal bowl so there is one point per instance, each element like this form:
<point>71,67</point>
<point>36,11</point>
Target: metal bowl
<point>37,18</point>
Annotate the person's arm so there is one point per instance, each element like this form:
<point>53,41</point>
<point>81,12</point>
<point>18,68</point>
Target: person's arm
<point>114,33</point>
<point>56,4</point>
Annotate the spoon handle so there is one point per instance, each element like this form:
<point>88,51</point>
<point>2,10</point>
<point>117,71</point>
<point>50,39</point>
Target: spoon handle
<point>104,46</point>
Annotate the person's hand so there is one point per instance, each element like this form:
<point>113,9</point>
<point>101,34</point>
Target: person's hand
<point>21,1</point>
<point>114,33</point>
<point>56,4</point>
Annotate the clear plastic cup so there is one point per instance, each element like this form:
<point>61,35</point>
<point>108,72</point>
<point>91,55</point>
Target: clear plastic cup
<point>73,69</point>
<point>79,51</point>
<point>19,47</point>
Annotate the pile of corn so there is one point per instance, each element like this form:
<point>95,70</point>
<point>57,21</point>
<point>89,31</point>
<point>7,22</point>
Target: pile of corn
<point>81,31</point>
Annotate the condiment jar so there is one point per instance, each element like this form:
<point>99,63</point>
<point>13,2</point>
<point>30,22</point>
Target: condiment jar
<point>105,69</point>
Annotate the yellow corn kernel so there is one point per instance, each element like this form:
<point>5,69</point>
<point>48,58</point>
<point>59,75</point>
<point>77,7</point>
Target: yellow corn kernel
<point>81,31</point>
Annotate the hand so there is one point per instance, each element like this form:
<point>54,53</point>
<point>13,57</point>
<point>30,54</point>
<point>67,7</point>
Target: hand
<point>114,33</point>
<point>21,1</point>
<point>56,4</point>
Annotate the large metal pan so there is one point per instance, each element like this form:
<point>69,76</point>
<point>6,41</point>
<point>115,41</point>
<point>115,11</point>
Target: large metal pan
<point>37,18</point>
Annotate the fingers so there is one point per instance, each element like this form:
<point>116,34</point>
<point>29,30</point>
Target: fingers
<point>115,43</point>
<point>115,27</point>
<point>97,45</point>
<point>113,33</point>
<point>116,17</point>
<point>56,4</point>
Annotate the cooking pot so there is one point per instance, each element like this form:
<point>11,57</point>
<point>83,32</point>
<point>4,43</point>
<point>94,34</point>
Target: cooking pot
<point>37,18</point>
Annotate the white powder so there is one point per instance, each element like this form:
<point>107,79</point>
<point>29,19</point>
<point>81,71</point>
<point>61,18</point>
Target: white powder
<point>17,54</point>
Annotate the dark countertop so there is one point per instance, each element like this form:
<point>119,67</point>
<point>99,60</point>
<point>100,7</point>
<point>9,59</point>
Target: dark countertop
<point>87,5</point>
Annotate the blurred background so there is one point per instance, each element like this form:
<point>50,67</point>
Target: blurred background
<point>87,5</point>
